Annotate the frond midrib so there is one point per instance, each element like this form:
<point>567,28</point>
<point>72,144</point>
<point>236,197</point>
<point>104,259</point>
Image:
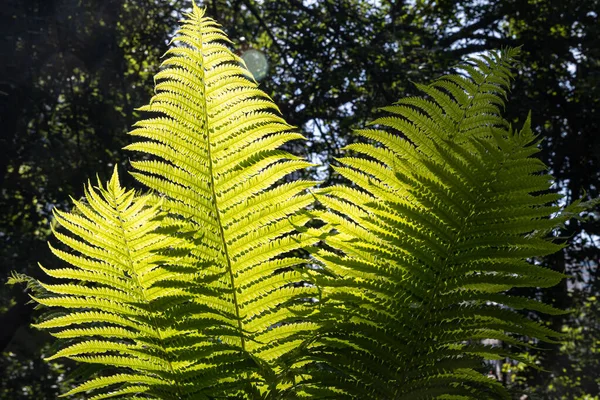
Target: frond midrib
<point>211,173</point>
<point>159,341</point>
<point>440,278</point>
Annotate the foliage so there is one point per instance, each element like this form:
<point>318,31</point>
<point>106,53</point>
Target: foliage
<point>447,206</point>
<point>579,355</point>
<point>202,290</point>
<point>331,63</point>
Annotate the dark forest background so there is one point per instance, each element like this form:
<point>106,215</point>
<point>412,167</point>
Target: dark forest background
<point>72,73</point>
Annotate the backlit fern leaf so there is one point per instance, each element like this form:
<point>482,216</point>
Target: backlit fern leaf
<point>447,209</point>
<point>209,301</point>
<point>111,301</point>
<point>216,161</point>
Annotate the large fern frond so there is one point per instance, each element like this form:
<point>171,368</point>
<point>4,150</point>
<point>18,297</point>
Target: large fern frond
<point>215,159</point>
<point>447,205</point>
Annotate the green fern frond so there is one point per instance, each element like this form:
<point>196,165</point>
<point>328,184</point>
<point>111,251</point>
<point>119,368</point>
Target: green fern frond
<point>109,299</point>
<point>215,160</point>
<point>446,211</point>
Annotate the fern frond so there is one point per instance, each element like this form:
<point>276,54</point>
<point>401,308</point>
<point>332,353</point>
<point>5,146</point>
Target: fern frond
<point>215,159</point>
<point>108,301</point>
<point>446,211</point>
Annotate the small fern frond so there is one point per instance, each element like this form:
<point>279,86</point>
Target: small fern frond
<point>108,305</point>
<point>215,160</point>
<point>448,207</point>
